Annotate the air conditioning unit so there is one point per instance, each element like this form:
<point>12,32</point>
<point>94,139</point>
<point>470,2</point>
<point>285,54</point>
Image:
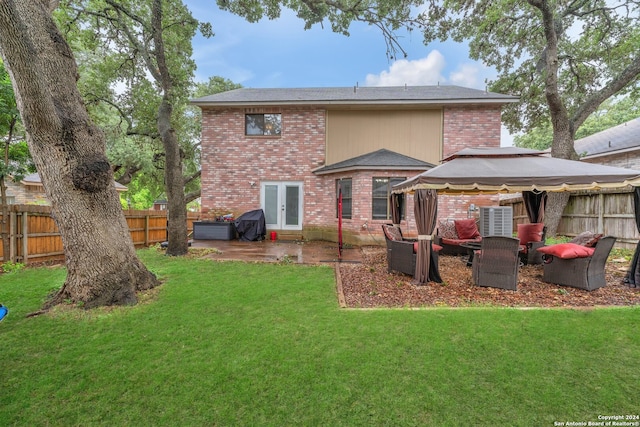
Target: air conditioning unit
<point>496,221</point>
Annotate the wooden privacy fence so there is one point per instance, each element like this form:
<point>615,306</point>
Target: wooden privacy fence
<point>34,237</point>
<point>606,212</point>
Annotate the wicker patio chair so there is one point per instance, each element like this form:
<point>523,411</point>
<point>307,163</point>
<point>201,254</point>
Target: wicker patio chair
<point>401,254</point>
<point>528,253</point>
<point>583,273</point>
<point>497,263</point>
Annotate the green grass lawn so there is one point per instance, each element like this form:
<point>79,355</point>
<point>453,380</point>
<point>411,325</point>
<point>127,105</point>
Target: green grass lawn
<point>228,343</point>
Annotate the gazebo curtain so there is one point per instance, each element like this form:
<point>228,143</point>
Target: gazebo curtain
<point>425,205</point>
<point>397,207</point>
<point>534,203</point>
<point>632,278</point>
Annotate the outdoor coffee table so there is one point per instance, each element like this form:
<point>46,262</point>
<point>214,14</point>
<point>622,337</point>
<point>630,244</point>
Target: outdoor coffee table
<point>471,247</point>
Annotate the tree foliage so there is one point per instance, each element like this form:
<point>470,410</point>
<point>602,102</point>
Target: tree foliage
<point>388,16</point>
<point>124,96</point>
<point>611,113</point>
<point>16,157</point>
<point>564,59</point>
<point>148,46</point>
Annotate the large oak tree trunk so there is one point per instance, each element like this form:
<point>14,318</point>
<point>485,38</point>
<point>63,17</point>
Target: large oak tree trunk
<point>174,179</point>
<point>174,184</point>
<point>563,131</point>
<point>69,153</point>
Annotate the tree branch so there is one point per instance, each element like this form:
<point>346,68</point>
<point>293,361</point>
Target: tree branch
<point>190,197</point>
<point>625,78</point>
<point>189,179</point>
<point>128,174</point>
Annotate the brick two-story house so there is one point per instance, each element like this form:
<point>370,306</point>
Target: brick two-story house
<point>287,151</point>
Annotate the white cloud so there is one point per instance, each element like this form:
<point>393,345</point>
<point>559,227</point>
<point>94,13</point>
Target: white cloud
<point>430,70</point>
<point>466,75</point>
<point>425,71</point>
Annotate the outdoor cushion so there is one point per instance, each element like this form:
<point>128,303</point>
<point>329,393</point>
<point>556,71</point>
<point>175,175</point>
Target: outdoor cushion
<point>530,232</point>
<point>435,247</point>
<point>586,238</point>
<point>458,242</point>
<point>466,228</point>
<point>567,250</point>
<point>447,229</point>
<point>392,232</point>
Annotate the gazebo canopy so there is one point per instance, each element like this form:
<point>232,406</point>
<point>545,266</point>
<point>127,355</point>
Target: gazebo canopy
<point>512,170</point>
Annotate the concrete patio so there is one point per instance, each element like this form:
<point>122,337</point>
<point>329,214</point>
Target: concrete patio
<point>309,252</point>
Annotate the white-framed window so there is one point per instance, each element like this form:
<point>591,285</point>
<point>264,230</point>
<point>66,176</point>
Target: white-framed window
<point>344,184</point>
<point>380,203</point>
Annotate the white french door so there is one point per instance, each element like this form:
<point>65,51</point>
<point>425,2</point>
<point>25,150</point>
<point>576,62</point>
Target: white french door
<point>282,202</point>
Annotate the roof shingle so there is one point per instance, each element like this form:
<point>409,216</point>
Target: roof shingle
<point>622,137</point>
<point>382,159</point>
<point>354,95</point>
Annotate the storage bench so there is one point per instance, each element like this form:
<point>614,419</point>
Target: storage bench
<point>219,230</point>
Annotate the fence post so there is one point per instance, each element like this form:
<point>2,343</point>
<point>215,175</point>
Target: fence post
<point>13,230</point>
<point>601,213</point>
<point>25,232</point>
<point>146,231</point>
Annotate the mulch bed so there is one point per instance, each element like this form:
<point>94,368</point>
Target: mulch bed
<point>368,285</point>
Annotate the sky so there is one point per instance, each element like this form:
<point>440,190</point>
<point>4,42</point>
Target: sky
<point>281,54</point>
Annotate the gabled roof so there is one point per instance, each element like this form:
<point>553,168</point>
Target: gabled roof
<point>378,160</point>
<point>412,95</point>
<point>621,138</point>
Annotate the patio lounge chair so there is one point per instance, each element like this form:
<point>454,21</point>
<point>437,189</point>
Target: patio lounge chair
<point>496,264</point>
<point>401,252</point>
<point>586,272</point>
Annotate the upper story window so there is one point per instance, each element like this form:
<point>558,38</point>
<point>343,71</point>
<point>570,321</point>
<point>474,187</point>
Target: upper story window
<point>263,124</point>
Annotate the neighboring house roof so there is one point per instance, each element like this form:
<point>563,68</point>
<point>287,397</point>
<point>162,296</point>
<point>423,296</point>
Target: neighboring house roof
<point>414,95</point>
<point>34,179</point>
<point>382,160</point>
<point>618,139</point>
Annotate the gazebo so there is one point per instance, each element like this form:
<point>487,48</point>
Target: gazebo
<point>500,170</point>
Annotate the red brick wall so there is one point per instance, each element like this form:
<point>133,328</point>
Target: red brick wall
<point>468,126</point>
<point>231,161</point>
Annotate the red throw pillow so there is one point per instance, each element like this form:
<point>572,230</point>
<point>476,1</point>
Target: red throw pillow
<point>530,232</point>
<point>466,229</point>
<point>567,250</point>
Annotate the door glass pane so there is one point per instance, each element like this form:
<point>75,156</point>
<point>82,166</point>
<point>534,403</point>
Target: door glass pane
<point>292,205</point>
<point>271,204</point>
